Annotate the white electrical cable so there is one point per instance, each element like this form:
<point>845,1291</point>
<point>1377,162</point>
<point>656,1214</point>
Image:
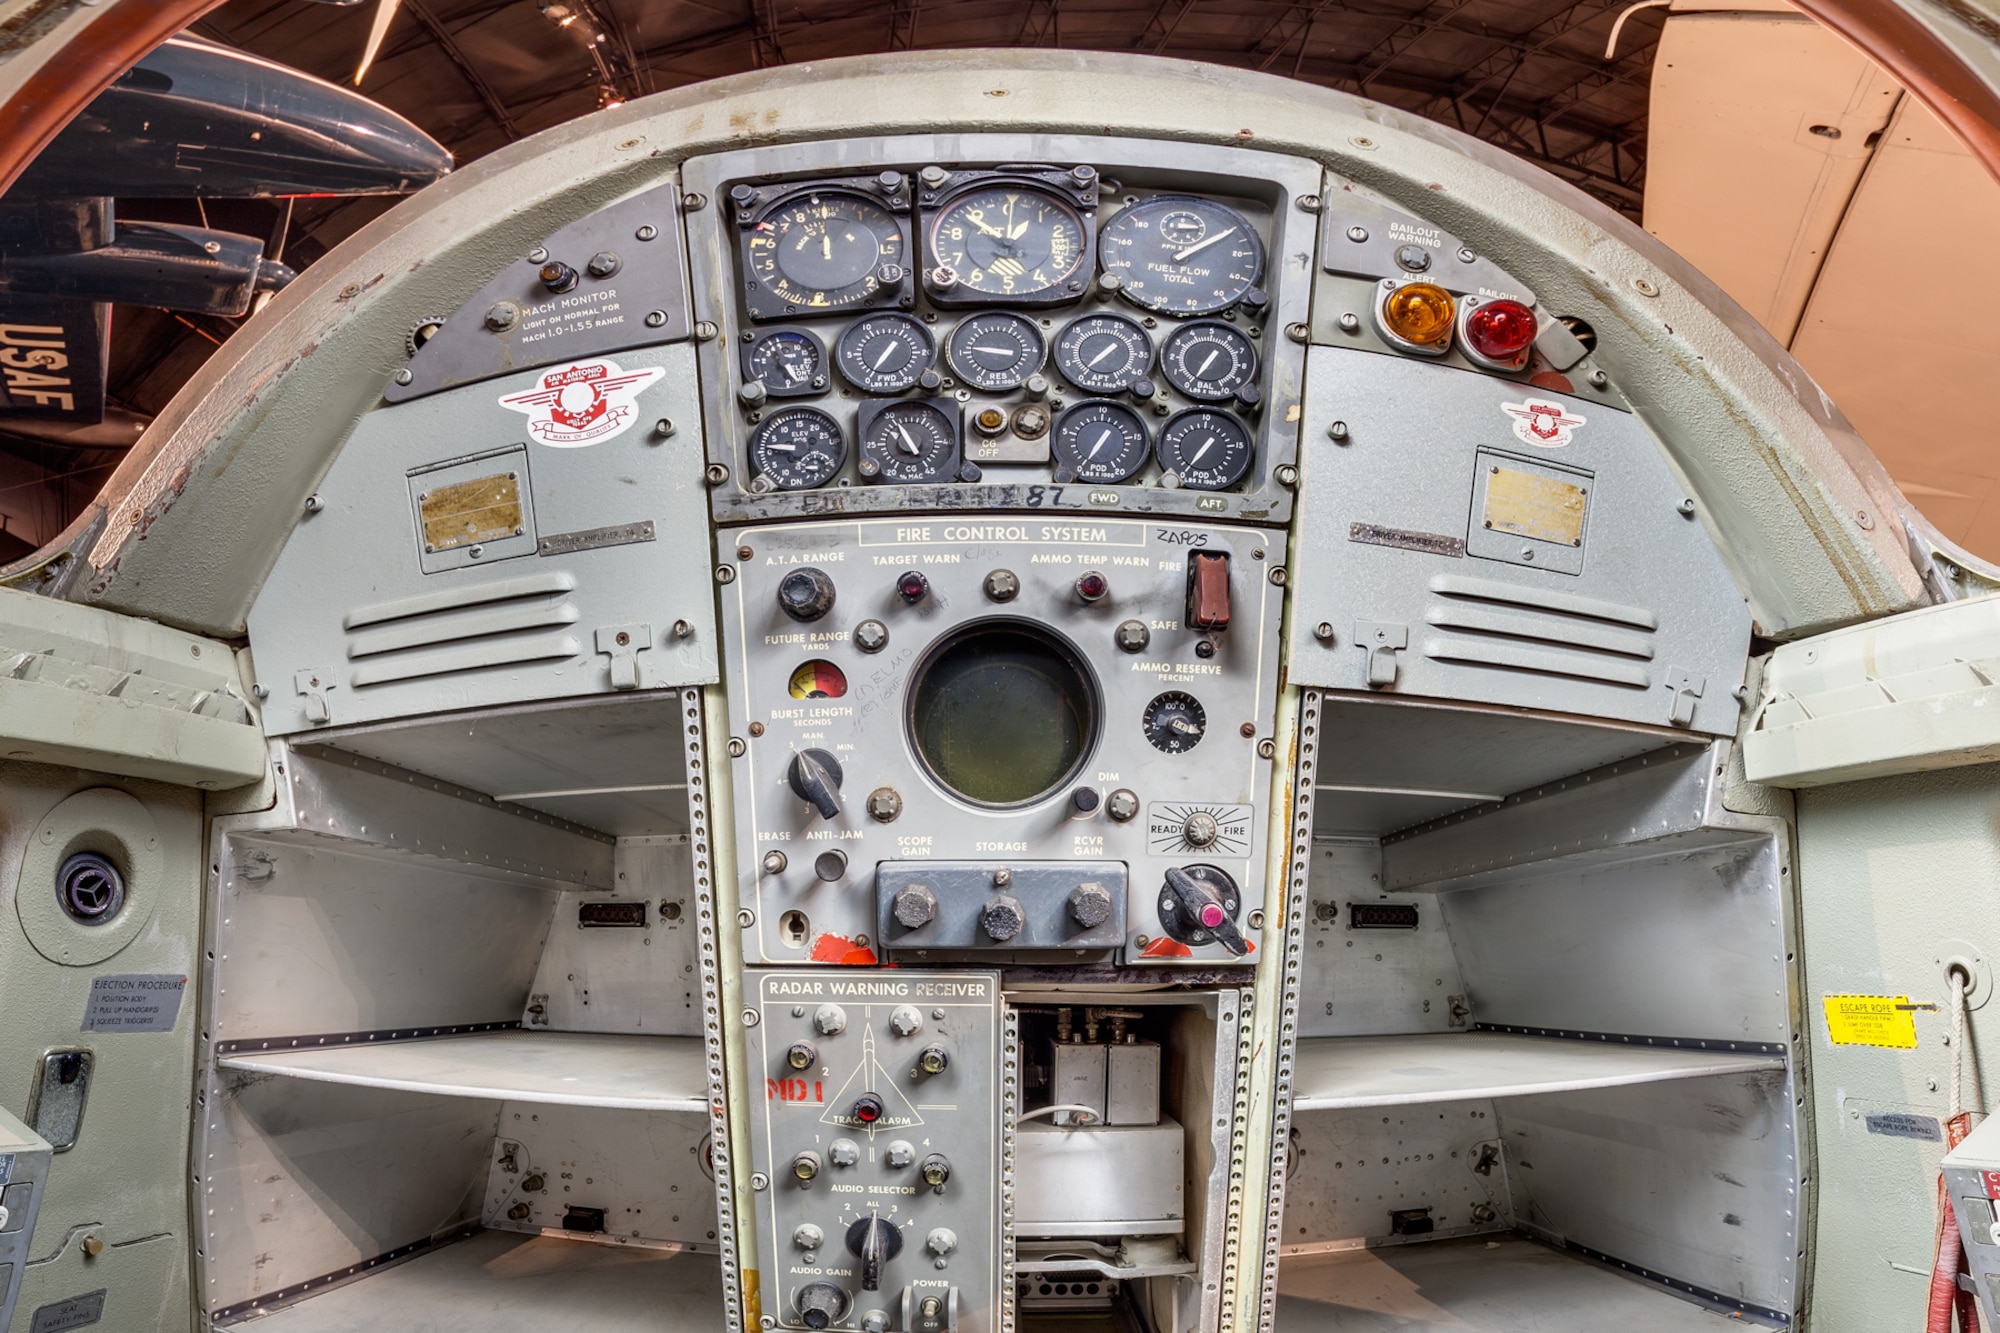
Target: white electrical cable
<point>1611,44</point>
<point>1076,1108</point>
<point>1957,1041</point>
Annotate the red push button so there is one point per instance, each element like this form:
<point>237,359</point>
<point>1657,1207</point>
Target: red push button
<point>1208,590</point>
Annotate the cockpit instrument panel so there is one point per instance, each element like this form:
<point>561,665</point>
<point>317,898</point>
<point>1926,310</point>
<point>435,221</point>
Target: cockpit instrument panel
<point>1003,323</point>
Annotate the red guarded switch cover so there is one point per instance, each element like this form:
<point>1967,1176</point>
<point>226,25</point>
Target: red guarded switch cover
<point>1208,590</point>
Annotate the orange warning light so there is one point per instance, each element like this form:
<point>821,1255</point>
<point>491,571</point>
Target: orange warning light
<point>1420,313</point>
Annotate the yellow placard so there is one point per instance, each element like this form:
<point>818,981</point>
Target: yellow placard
<point>484,509</point>
<point>1533,506</point>
<point>1872,1020</point>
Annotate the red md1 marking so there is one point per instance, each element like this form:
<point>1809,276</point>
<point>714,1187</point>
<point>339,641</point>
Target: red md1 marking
<point>794,1090</point>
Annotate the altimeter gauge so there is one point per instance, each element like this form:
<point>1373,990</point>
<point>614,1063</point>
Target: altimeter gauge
<point>821,252</point>
<point>1005,241</point>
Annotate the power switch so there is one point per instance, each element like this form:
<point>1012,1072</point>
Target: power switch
<point>1208,590</point>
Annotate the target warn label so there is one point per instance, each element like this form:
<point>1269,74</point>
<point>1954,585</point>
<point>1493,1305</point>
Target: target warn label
<point>583,403</point>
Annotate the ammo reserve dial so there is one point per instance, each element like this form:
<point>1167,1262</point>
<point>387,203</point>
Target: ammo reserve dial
<point>1208,360</point>
<point>1207,448</point>
<point>1103,443</point>
<point>823,251</point>
<point>796,448</point>
<point>885,353</point>
<point>1181,255</point>
<point>1004,241</point>
<point>1175,722</point>
<point>909,442</point>
<point>1104,353</point>
<point>996,351</point>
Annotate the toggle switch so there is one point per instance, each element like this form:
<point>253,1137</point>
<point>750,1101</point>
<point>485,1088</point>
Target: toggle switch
<point>1208,590</point>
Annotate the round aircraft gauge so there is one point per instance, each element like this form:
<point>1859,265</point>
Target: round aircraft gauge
<point>796,448</point>
<point>1208,360</point>
<point>1009,240</point>
<point>996,351</point>
<point>1100,442</point>
<point>824,250</point>
<point>885,353</point>
<point>1181,255</point>
<point>1175,722</point>
<point>1206,448</point>
<point>909,442</point>
<point>1104,353</point>
<point>791,363</point>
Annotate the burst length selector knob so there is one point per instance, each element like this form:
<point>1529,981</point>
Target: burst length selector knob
<point>815,777</point>
<point>820,1304</point>
<point>805,594</point>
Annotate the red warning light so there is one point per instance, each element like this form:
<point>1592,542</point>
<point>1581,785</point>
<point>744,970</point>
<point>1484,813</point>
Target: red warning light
<point>1500,330</point>
<point>912,587</point>
<point>1091,587</point>
<point>868,1108</point>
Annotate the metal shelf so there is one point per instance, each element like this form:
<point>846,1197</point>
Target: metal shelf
<point>1343,1073</point>
<point>556,1068</point>
<point>498,1282</point>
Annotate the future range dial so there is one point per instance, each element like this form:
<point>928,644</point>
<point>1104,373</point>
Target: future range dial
<point>1209,360</point>
<point>797,447</point>
<point>909,442</point>
<point>1007,241</point>
<point>885,353</point>
<point>1104,443</point>
<point>1180,255</point>
<point>996,351</point>
<point>1104,353</point>
<point>823,251</point>
<point>1206,448</point>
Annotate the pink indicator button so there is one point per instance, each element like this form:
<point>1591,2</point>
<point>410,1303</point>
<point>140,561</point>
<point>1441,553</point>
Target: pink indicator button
<point>1211,915</point>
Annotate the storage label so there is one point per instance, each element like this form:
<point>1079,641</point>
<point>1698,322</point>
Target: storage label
<point>137,1002</point>
<point>1872,1020</point>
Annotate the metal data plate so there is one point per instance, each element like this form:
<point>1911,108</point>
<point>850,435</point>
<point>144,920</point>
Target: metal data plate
<point>857,1025</point>
<point>490,545</point>
<point>516,323</point>
<point>1592,592</point>
<point>796,686</point>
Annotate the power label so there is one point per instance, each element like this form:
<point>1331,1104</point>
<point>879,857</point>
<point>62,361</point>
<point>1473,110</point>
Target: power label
<point>1888,1021</point>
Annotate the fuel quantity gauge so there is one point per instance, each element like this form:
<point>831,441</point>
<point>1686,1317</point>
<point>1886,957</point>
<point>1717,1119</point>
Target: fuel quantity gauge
<point>1102,443</point>
<point>1205,448</point>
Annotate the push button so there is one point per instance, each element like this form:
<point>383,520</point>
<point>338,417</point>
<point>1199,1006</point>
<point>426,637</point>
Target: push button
<point>1208,590</point>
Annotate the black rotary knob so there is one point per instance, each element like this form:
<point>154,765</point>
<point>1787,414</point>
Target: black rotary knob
<point>1002,918</point>
<point>820,1304</point>
<point>815,778</point>
<point>915,906</point>
<point>1090,905</point>
<point>805,594</point>
<point>874,1242</point>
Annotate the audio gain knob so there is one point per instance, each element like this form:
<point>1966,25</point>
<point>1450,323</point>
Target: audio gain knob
<point>805,594</point>
<point>820,1304</point>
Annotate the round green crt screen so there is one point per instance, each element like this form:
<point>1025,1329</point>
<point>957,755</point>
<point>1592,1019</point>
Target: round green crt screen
<point>1002,714</point>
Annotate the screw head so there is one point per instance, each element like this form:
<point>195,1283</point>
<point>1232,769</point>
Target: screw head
<point>1357,234</point>
<point>404,376</point>
<point>647,232</point>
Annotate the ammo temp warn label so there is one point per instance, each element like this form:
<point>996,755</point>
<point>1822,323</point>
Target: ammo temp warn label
<point>136,1002</point>
<point>1872,1020</point>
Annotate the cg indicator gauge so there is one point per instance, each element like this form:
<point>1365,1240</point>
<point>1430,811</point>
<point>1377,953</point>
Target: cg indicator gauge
<point>820,252</point>
<point>909,442</point>
<point>791,363</point>
<point>1174,722</point>
<point>885,354</point>
<point>1207,449</point>
<point>796,448</point>
<point>1104,353</point>
<point>1100,442</point>
<point>1180,255</point>
<point>1209,360</point>
<point>1009,241</point>
<point>996,351</point>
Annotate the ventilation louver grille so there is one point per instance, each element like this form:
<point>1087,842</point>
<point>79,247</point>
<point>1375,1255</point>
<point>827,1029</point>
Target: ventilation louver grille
<point>1484,622</point>
<point>466,629</point>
